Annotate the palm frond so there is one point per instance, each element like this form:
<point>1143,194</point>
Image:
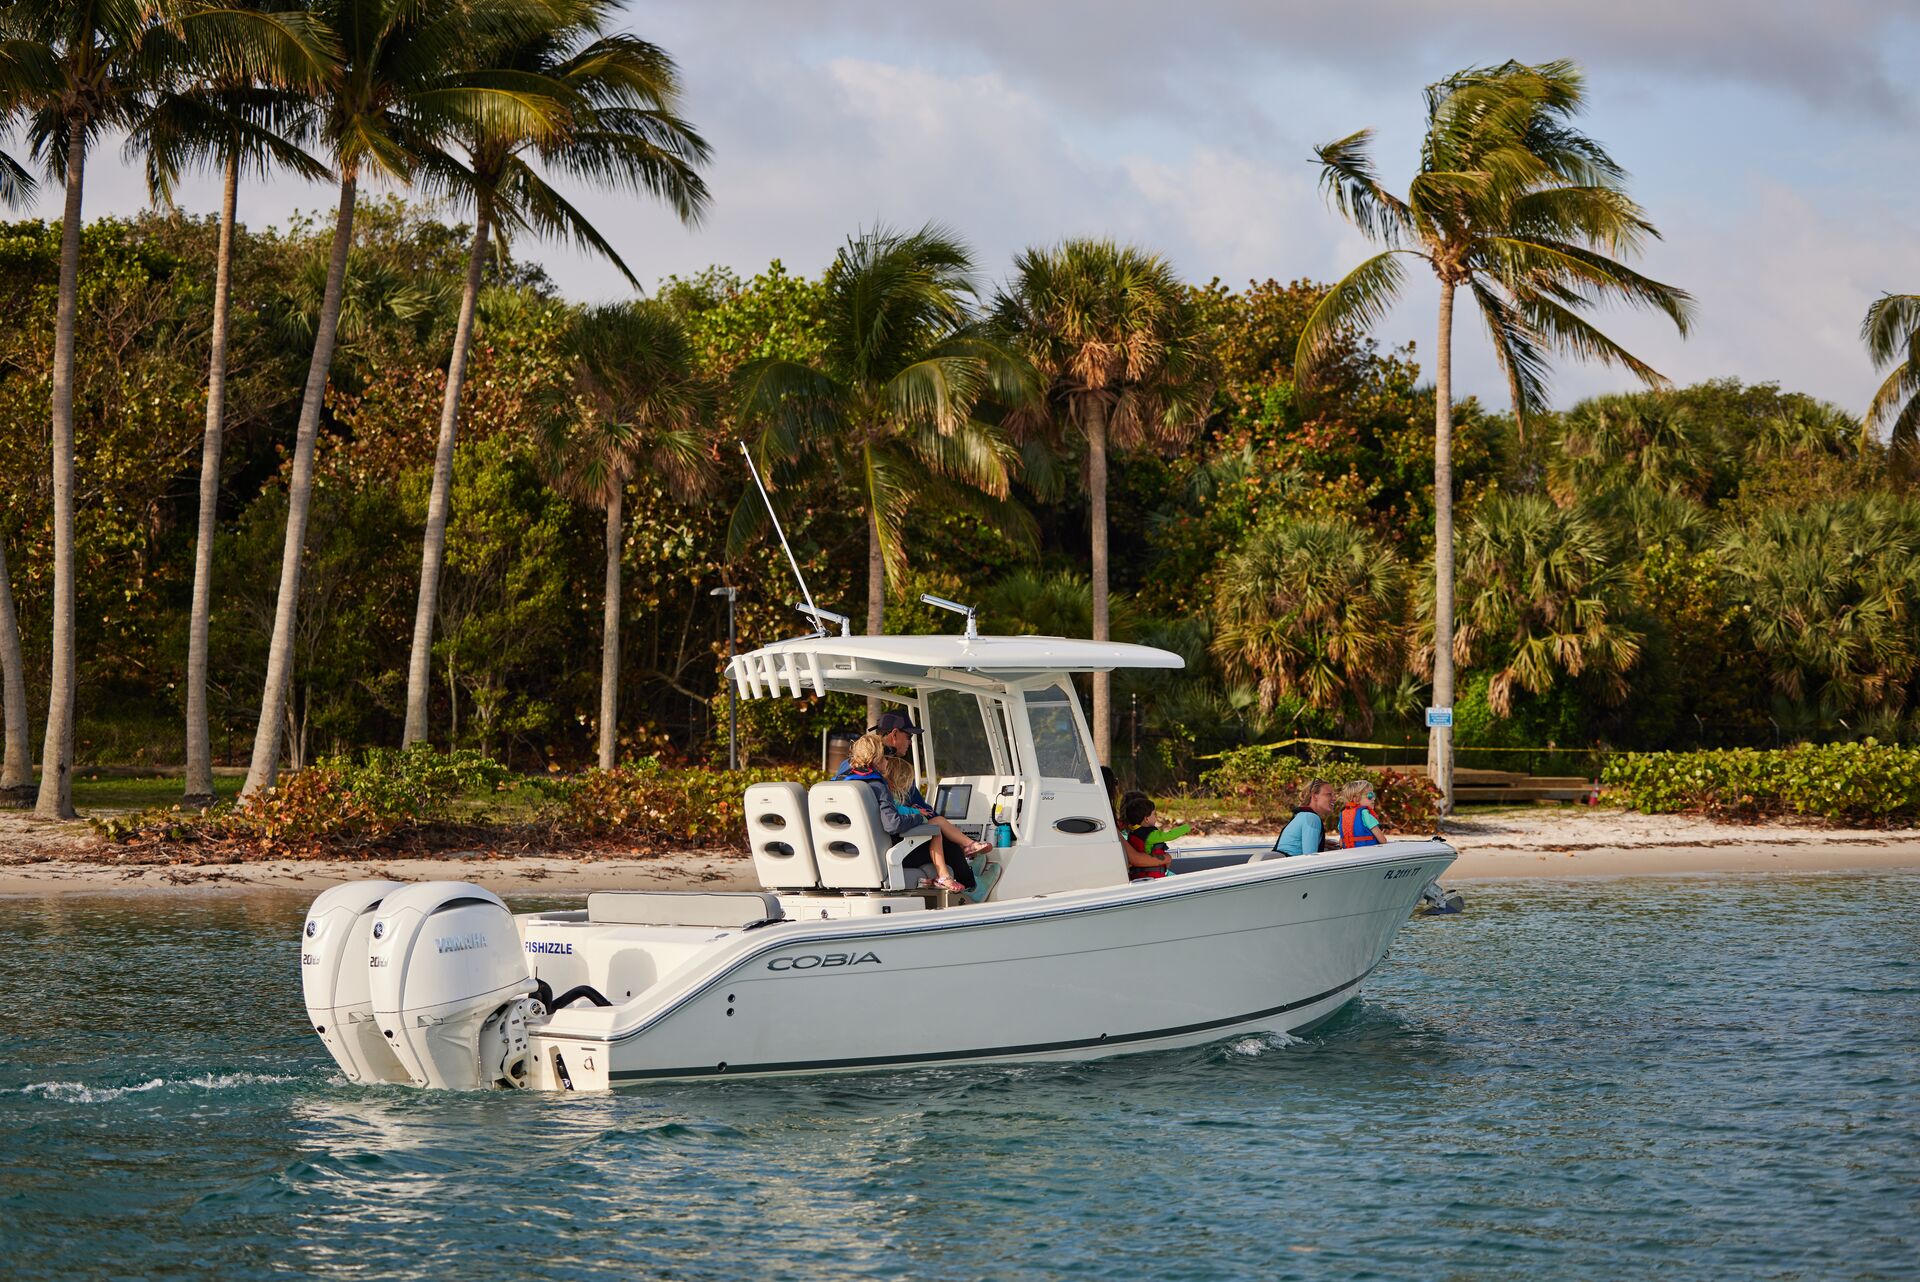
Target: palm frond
<point>1567,331</point>
<point>16,183</point>
<point>1517,344</point>
<point>1359,301</point>
<point>536,205</point>
<point>1347,177</point>
<point>1531,266</point>
<point>1891,329</point>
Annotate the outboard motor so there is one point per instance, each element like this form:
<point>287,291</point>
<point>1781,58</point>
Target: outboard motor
<point>333,974</point>
<point>1436,900</point>
<point>449,984</point>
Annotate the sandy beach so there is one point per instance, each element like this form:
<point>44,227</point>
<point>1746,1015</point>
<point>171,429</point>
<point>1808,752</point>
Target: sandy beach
<point>54,859</point>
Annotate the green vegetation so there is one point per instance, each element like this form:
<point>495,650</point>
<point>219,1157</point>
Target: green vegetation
<point>1269,786</point>
<point>1865,783</point>
<point>96,792</point>
<point>418,799</point>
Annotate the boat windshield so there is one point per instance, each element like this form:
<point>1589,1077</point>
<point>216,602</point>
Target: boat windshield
<point>1057,749</point>
<point>959,733</point>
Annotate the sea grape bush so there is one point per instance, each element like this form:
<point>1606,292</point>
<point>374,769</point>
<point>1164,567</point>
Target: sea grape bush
<point>1863,783</point>
<point>646,800</point>
<point>1271,783</point>
<point>339,803</point>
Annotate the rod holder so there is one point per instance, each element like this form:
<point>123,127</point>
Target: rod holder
<point>941,602</point>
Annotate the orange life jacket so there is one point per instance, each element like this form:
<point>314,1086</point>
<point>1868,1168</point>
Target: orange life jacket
<point>1352,831</point>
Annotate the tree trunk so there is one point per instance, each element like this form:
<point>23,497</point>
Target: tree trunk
<point>199,781</point>
<point>610,635</point>
<point>1097,493</point>
<point>56,756</point>
<point>264,767</point>
<point>16,773</point>
<point>433,553</point>
<point>876,594</point>
<point>1440,738</point>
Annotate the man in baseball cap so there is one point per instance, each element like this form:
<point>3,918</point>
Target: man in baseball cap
<point>894,727</point>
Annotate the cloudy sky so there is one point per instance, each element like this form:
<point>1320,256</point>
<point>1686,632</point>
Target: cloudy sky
<point>1776,144</point>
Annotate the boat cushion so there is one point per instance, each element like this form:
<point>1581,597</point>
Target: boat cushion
<point>853,850</point>
<point>723,909</point>
<point>780,836</point>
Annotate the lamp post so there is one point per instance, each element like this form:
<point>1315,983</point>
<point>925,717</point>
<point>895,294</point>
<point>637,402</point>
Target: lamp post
<point>733,691</point>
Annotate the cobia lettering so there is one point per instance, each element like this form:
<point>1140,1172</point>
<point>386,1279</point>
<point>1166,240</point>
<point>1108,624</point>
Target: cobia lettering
<point>824,961</point>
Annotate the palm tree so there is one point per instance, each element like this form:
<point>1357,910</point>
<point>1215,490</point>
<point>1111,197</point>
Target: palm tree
<point>1109,330</point>
<point>638,376</point>
<point>409,76</point>
<point>1543,591</point>
<point>1311,610</point>
<point>1892,333</point>
<point>236,124</point>
<point>16,769</point>
<point>1516,206</point>
<point>622,93</point>
<point>890,404</point>
<point>1610,442</point>
<point>1830,593</point>
<point>75,71</point>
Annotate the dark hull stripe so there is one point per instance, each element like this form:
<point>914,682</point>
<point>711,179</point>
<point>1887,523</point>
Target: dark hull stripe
<point>997,1052</point>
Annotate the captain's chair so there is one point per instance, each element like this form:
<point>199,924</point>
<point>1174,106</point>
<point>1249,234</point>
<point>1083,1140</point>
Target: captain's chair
<point>853,851</point>
<point>780,836</point>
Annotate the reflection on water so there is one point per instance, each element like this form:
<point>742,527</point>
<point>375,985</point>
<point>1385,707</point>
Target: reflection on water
<point>1709,1077</point>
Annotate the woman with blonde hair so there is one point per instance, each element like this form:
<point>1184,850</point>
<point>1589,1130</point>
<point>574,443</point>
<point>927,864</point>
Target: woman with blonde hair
<point>899,776</point>
<point>1306,831</point>
<point>865,763</point>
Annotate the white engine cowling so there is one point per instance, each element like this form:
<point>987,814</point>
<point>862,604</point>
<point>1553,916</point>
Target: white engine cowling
<point>449,984</point>
<point>333,975</point>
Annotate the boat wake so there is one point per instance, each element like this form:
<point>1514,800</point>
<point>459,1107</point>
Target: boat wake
<point>1255,1045</point>
<point>81,1093</point>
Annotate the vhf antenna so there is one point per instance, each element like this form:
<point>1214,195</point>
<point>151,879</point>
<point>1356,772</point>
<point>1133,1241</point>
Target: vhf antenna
<point>820,617</point>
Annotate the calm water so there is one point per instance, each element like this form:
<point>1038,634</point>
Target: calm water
<point>1704,1078</point>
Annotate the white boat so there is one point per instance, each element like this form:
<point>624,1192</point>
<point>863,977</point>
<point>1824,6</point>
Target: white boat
<point>843,961</point>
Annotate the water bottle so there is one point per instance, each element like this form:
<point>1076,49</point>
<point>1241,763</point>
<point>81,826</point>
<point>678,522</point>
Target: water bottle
<point>1002,835</point>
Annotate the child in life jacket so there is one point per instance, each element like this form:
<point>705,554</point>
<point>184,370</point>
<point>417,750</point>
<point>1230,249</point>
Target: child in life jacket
<point>1147,853</point>
<point>1359,826</point>
<point>898,772</point>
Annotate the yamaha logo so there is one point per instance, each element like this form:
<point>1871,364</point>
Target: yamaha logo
<point>824,961</point>
<point>313,928</point>
<point>379,930</point>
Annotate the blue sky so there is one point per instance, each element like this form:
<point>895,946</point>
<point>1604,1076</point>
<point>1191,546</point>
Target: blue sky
<point>1775,144</point>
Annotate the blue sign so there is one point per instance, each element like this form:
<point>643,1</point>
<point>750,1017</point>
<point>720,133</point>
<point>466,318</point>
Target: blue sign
<point>1437,717</point>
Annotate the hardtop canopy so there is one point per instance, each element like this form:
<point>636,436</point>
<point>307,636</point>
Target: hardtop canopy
<point>815,665</point>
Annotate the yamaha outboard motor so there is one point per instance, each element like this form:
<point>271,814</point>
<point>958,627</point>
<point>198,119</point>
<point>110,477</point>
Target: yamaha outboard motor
<point>450,986</point>
<point>333,973</point>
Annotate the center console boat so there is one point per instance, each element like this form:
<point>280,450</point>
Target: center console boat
<point>843,961</point>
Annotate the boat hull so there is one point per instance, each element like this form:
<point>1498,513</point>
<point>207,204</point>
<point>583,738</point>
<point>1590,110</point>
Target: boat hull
<point>1273,946</point>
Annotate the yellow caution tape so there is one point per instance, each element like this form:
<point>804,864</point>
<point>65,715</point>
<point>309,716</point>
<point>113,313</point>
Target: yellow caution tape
<point>1352,743</point>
